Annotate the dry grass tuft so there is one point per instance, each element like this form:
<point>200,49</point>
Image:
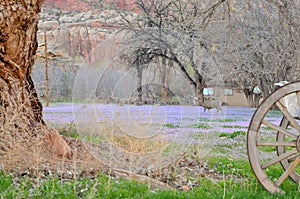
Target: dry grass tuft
<point>24,142</point>
<point>132,144</point>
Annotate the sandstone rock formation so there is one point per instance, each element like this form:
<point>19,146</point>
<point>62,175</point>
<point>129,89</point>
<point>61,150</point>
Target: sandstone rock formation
<point>74,28</point>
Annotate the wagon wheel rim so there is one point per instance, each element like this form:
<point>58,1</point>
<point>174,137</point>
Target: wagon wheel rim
<point>286,150</point>
<point>281,137</point>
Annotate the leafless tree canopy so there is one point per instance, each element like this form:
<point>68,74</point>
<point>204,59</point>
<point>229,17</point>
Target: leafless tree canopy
<point>246,44</point>
<point>176,30</point>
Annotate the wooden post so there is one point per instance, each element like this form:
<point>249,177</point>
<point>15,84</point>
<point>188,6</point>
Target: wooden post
<point>46,70</point>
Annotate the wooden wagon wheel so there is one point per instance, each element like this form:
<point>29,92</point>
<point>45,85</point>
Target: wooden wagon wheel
<point>282,150</point>
<point>271,143</point>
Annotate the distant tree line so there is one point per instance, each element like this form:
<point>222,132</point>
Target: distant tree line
<point>245,45</point>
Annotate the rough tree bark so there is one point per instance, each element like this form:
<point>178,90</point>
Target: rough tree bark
<point>20,110</point>
<point>250,97</point>
<point>164,69</point>
<point>253,99</point>
<point>140,84</point>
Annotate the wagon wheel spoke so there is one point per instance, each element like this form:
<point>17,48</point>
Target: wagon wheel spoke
<point>279,158</point>
<point>292,159</point>
<point>278,143</point>
<point>289,170</point>
<point>292,120</point>
<point>279,129</point>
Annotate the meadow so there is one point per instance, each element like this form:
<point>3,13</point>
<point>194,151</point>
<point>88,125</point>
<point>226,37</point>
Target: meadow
<point>210,150</point>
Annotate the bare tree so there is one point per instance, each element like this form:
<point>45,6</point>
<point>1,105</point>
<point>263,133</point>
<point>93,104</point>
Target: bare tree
<point>139,59</point>
<point>263,45</point>
<point>252,44</point>
<point>20,109</point>
<point>174,30</point>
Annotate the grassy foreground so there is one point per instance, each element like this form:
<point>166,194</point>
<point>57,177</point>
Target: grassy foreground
<point>104,187</point>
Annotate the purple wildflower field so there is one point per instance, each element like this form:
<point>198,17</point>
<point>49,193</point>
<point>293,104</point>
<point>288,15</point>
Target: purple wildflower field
<point>181,115</point>
<point>183,125</point>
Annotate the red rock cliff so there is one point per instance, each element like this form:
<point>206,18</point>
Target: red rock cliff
<point>75,28</point>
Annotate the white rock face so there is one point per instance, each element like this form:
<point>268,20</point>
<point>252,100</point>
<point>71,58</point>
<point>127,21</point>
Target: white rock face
<point>50,25</point>
<point>67,19</point>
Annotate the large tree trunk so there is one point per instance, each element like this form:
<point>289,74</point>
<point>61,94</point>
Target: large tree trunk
<point>164,69</point>
<point>140,85</point>
<point>257,98</point>
<point>20,110</point>
<point>200,84</point>
<point>166,82</point>
<point>253,99</point>
<point>250,97</point>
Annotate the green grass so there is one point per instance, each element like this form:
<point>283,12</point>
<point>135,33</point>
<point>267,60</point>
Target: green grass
<point>233,135</point>
<point>204,119</point>
<point>234,126</point>
<point>274,113</point>
<point>171,125</point>
<point>103,186</point>
<point>72,132</point>
<point>5,182</point>
<point>266,128</point>
<point>224,120</point>
<point>266,148</point>
<point>201,126</point>
<point>242,168</point>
